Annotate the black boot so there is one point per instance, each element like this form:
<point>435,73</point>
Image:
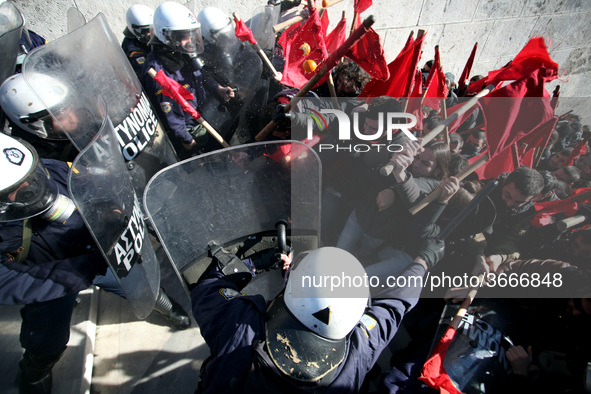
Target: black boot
<point>171,309</point>
<point>35,373</point>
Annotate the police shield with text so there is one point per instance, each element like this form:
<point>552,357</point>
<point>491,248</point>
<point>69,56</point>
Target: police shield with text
<point>87,63</point>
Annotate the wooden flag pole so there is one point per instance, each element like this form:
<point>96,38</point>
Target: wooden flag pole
<point>387,168</point>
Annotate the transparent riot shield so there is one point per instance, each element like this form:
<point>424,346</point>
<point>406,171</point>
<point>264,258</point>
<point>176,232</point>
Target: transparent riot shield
<point>261,25</point>
<point>102,191</point>
<point>88,63</point>
<point>235,197</point>
<point>236,64</point>
<point>75,19</point>
<point>11,27</point>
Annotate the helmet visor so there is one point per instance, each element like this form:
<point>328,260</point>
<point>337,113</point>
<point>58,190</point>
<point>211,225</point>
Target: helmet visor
<point>185,41</point>
<point>42,125</point>
<point>142,33</point>
<point>33,195</point>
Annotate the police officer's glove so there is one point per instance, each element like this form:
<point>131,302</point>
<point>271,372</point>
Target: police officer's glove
<point>270,259</point>
<point>432,251</point>
<point>283,119</point>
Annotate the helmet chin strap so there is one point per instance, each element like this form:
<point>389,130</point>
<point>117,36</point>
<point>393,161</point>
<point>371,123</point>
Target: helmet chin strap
<point>61,210</point>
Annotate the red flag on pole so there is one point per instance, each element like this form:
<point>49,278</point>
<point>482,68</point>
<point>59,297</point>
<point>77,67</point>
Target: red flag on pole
<point>306,44</point>
<point>433,373</point>
<point>177,92</point>
<point>362,5</point>
<point>568,206</point>
<point>467,69</point>
<point>435,86</point>
<point>368,53</point>
<point>515,110</point>
<point>401,69</point>
<point>337,36</point>
<point>578,150</point>
<point>243,32</point>
<point>532,57</point>
<point>415,105</point>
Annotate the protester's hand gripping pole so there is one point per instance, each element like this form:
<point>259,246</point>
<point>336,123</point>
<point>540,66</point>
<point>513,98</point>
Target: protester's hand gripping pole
<point>321,71</point>
<point>303,15</point>
<point>170,88</point>
<point>388,168</point>
<point>435,193</point>
<point>262,54</point>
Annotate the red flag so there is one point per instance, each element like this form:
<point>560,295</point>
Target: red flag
<point>337,36</point>
<point>433,373</point>
<point>502,162</point>
<point>324,21</point>
<point>578,150</point>
<point>369,55</point>
<point>515,110</point>
<point>461,119</point>
<point>401,69</point>
<point>568,206</point>
<point>362,5</point>
<point>539,137</point>
<point>243,32</point>
<point>177,92</point>
<point>414,105</point>
<point>287,36</point>
<point>333,41</point>
<point>435,86</point>
<point>533,56</point>
<point>307,43</point>
<point>467,69</point>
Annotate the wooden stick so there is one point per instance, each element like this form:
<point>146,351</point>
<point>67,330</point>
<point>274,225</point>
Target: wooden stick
<point>321,72</point>
<point>284,25</point>
<point>262,55</point>
<point>435,193</point>
<point>444,116</point>
<point>567,223</point>
<point>415,61</point>
<point>152,73</point>
<point>387,168</point>
<point>333,92</point>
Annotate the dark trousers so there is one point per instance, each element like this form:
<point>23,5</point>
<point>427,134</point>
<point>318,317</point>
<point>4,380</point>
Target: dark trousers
<point>46,326</point>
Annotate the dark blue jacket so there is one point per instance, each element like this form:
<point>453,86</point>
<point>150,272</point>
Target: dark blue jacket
<point>135,51</point>
<point>174,119</point>
<point>62,258</point>
<point>233,326</point>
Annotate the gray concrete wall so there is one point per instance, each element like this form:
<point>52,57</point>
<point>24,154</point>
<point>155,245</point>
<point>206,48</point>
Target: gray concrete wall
<point>501,28</point>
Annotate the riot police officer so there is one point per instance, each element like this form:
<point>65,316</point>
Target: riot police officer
<point>175,46</point>
<point>47,256</point>
<point>311,337</point>
<point>139,19</point>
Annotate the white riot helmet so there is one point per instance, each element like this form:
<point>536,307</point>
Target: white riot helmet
<point>25,187</point>
<point>216,26</point>
<point>140,19</point>
<point>307,325</point>
<point>176,26</point>
<point>27,111</point>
